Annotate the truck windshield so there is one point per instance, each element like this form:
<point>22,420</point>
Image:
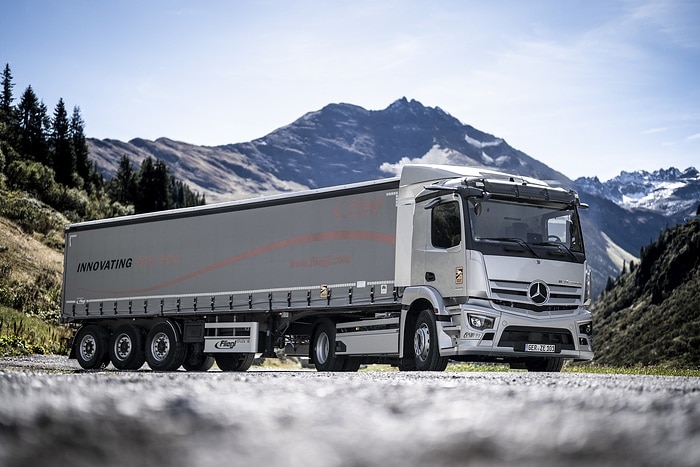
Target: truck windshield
<point>537,229</point>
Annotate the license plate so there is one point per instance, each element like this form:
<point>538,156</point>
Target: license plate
<point>540,348</point>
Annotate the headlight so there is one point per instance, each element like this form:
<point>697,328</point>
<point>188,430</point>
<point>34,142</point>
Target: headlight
<point>586,328</point>
<point>587,287</point>
<point>480,322</point>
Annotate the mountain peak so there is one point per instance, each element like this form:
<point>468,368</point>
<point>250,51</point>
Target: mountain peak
<point>413,106</point>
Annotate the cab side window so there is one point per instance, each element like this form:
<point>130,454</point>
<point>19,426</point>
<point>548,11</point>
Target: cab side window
<point>445,225</point>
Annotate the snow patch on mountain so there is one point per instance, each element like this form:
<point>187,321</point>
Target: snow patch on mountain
<point>436,155</point>
<point>482,144</point>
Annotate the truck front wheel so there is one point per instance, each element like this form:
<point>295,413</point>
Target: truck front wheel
<point>425,348</point>
<point>165,350</point>
<point>91,351</point>
<point>126,348</point>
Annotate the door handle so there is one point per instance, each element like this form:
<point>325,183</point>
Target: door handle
<point>429,276</point>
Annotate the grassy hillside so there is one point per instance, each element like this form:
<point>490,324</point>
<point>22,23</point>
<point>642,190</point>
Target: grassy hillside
<point>651,314</point>
<point>30,281</point>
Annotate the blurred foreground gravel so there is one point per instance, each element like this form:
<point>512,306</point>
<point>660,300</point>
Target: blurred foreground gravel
<point>54,414</point>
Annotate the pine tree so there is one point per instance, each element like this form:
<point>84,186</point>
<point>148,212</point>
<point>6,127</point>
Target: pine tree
<point>145,200</point>
<point>62,154</point>
<point>6,97</point>
<point>9,125</point>
<point>122,188</point>
<point>161,185</point>
<point>33,122</point>
<point>79,148</point>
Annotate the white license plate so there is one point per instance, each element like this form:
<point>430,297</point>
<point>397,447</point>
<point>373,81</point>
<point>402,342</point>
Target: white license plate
<point>540,348</point>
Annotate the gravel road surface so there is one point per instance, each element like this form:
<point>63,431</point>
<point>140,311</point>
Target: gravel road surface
<point>52,413</point>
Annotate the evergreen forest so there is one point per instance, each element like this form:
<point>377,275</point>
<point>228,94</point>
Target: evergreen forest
<point>45,156</point>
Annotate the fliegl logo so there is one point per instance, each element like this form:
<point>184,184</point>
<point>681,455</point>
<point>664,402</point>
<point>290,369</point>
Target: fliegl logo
<point>226,344</point>
<point>357,207</point>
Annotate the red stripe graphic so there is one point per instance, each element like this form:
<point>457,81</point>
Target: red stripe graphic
<point>316,237</point>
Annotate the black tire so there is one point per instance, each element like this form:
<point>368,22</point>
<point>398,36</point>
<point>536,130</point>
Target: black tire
<point>91,344</point>
<point>425,344</point>
<point>351,364</point>
<point>323,348</point>
<point>165,350</point>
<point>234,361</point>
<point>196,360</point>
<point>126,348</point>
<point>547,365</point>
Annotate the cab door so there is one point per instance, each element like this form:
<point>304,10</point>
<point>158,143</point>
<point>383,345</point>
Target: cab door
<point>444,251</point>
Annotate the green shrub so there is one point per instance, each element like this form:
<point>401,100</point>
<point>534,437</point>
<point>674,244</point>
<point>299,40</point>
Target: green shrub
<point>30,215</point>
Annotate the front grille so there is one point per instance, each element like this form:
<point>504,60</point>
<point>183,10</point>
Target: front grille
<point>517,336</point>
<point>513,294</point>
<point>533,307</point>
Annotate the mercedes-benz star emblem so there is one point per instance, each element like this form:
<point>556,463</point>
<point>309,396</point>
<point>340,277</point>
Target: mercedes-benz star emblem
<point>538,292</point>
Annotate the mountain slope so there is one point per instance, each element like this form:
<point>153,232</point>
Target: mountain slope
<point>344,143</point>
<point>338,144</point>
<point>652,314</point>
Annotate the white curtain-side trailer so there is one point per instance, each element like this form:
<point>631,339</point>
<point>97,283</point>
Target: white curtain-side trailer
<point>440,263</point>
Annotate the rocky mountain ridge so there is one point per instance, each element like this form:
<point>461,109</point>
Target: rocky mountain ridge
<point>345,143</point>
<point>669,192</point>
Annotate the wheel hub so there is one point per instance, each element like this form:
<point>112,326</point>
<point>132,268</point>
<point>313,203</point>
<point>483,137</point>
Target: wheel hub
<point>322,348</point>
<point>123,347</point>
<point>160,346</point>
<point>87,348</point>
<point>421,342</point>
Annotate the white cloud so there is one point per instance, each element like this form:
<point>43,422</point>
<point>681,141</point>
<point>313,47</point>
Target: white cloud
<point>652,131</point>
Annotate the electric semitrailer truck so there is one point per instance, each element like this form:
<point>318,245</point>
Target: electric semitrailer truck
<point>442,263</point>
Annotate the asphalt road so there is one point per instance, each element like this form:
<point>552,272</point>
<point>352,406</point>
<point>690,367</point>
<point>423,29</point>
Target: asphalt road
<point>54,414</point>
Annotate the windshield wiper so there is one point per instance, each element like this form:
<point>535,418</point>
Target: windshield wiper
<point>559,245</point>
<point>519,241</point>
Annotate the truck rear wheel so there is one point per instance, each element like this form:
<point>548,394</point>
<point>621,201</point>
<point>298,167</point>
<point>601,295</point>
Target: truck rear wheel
<point>425,348</point>
<point>126,348</point>
<point>323,349</point>
<point>549,365</point>
<point>165,350</point>
<point>91,351</point>
<point>234,361</point>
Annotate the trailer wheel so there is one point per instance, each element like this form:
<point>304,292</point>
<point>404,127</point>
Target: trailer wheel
<point>324,348</point>
<point>425,348</point>
<point>126,348</point>
<point>234,361</point>
<point>165,350</point>
<point>549,365</point>
<point>91,347</point>
<point>196,360</point>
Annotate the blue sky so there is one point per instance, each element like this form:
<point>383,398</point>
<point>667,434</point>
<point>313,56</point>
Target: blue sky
<point>587,87</point>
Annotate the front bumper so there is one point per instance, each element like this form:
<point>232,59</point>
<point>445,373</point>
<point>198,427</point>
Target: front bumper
<point>562,333</point>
